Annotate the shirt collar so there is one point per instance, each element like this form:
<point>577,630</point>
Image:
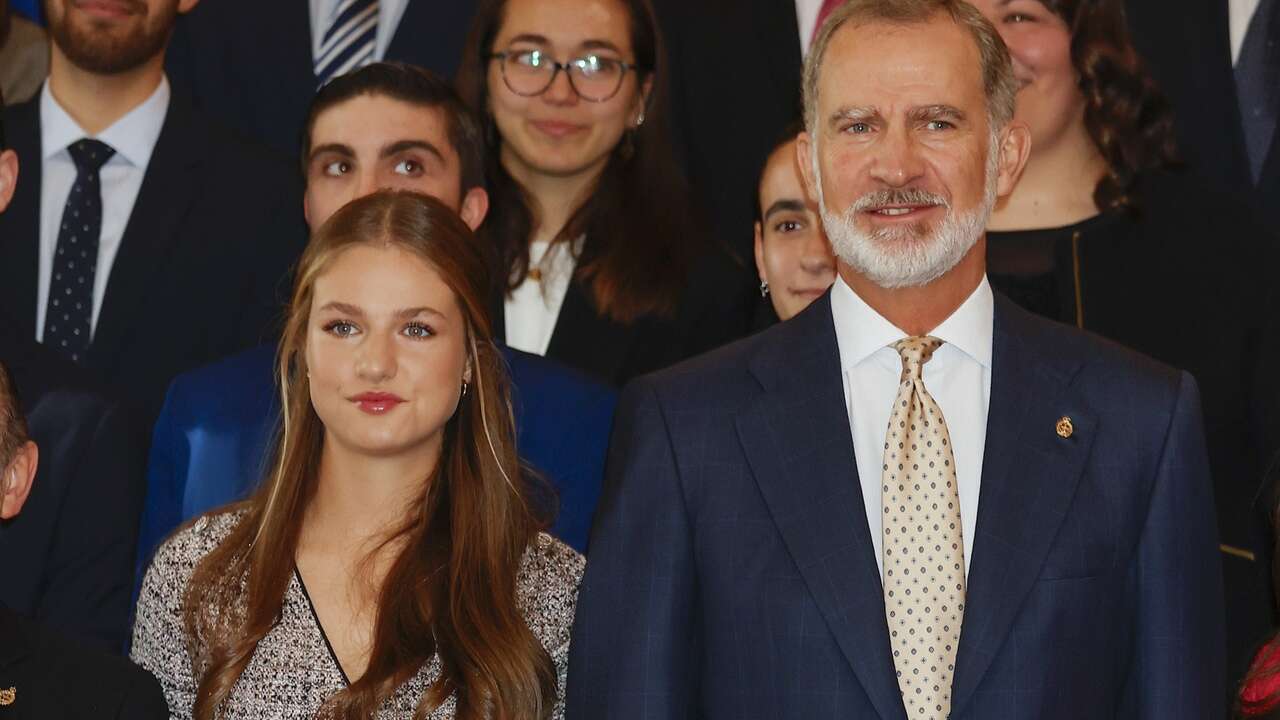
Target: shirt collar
<point>861,331</point>
<point>133,136</point>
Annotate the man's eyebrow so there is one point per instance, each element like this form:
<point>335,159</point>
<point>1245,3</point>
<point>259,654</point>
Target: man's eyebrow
<point>856,113</point>
<point>332,149</point>
<point>785,205</point>
<point>937,112</point>
<point>400,146</point>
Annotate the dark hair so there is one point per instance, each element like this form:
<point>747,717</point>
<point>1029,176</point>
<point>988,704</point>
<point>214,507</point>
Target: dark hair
<point>789,134</point>
<point>451,591</point>
<point>3,146</point>
<point>637,221</point>
<point>6,22</point>
<point>1127,116</point>
<point>416,86</point>
<point>13,424</point>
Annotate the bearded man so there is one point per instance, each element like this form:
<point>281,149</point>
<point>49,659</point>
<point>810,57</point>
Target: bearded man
<point>913,500</point>
<point>143,241</point>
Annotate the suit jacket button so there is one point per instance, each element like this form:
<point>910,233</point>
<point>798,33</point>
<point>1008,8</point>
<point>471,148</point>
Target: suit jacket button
<point>1065,428</point>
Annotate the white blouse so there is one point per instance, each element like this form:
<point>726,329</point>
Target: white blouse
<point>533,307</point>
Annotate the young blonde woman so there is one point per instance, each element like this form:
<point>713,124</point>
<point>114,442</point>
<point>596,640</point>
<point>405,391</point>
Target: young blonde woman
<point>390,565</point>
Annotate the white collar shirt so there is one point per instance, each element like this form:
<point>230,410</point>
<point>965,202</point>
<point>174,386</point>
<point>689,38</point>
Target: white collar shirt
<point>958,376</point>
<point>1239,14</point>
<point>389,14</point>
<point>133,137</point>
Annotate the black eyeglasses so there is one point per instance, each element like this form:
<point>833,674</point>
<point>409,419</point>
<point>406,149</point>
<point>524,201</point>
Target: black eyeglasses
<point>593,77</point>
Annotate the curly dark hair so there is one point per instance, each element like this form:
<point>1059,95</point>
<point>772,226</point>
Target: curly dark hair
<point>1126,114</point>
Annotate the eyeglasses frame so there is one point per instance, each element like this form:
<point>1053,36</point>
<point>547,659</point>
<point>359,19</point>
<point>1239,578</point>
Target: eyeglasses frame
<point>558,66</point>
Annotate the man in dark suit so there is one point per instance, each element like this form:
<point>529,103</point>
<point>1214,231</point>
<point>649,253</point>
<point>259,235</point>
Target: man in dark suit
<point>144,240</point>
<point>42,673</point>
<point>256,65</point>
<point>386,125</point>
<point>68,559</point>
<point>913,499</point>
<point>1219,63</point>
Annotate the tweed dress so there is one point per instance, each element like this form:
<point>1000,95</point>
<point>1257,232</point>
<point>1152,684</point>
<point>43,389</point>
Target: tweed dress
<point>293,670</point>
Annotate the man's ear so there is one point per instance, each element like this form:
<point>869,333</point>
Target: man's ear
<point>15,484</point>
<point>804,159</point>
<point>475,206</point>
<point>8,177</point>
<point>1015,149</point>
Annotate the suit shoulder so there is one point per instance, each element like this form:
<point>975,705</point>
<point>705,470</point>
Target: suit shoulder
<point>724,371</point>
<point>1120,371</point>
<point>531,372</point>
<point>107,685</point>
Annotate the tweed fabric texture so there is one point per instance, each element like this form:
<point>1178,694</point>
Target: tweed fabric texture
<point>293,672</point>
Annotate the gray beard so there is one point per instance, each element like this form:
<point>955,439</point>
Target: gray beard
<point>908,256</point>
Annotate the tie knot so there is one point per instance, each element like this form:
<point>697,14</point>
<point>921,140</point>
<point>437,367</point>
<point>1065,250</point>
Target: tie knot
<point>915,352</point>
<point>90,155</point>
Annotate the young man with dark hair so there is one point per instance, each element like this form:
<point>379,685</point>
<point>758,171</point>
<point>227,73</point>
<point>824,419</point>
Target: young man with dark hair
<point>385,126</point>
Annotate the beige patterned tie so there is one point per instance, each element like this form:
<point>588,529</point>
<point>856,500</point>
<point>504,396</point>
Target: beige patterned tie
<point>923,546</point>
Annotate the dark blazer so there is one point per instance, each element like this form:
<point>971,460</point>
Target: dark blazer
<point>715,308</point>
<point>200,270</point>
<point>732,574</point>
<point>67,558</point>
<point>212,440</point>
<point>1188,51</point>
<point>54,678</point>
<point>248,63</point>
<point>735,87</point>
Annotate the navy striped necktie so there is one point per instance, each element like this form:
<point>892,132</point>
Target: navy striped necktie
<point>350,41</point>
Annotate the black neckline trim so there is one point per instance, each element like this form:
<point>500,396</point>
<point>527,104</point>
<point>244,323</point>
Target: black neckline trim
<point>297,574</point>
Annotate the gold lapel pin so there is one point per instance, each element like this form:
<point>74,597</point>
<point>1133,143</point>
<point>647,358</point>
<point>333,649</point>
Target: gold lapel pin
<point>7,696</point>
<point>1065,428</point>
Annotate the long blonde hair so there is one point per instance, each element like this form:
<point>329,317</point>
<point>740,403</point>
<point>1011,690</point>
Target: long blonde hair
<point>451,590</point>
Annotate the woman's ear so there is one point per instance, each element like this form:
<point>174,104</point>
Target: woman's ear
<point>19,475</point>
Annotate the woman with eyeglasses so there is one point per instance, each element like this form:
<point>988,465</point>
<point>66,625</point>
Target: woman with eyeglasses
<point>589,214</point>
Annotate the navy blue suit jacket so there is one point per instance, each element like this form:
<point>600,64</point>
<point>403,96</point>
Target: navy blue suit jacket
<point>732,573</point>
<point>211,441</point>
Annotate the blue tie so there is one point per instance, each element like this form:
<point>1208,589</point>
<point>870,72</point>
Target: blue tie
<point>350,41</point>
<point>67,318</point>
<point>1257,76</point>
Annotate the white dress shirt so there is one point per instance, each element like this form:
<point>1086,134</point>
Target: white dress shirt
<point>958,376</point>
<point>133,137</point>
<point>532,308</point>
<point>1240,14</point>
<point>389,14</point>
<point>807,17</point>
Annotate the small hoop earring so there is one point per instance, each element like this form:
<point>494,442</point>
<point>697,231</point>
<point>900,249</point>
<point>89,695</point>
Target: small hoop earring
<point>764,288</point>
<point>640,120</point>
<point>465,387</point>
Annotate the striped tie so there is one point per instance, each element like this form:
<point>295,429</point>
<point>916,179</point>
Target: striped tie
<point>351,40</point>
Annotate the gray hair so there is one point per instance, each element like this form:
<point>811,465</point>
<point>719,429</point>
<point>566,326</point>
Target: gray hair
<point>997,68</point>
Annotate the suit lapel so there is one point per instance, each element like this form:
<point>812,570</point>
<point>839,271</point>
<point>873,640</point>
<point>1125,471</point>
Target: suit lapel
<point>797,441</point>
<point>152,233</point>
<point>1029,477</point>
<point>585,340</point>
<point>20,225</point>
